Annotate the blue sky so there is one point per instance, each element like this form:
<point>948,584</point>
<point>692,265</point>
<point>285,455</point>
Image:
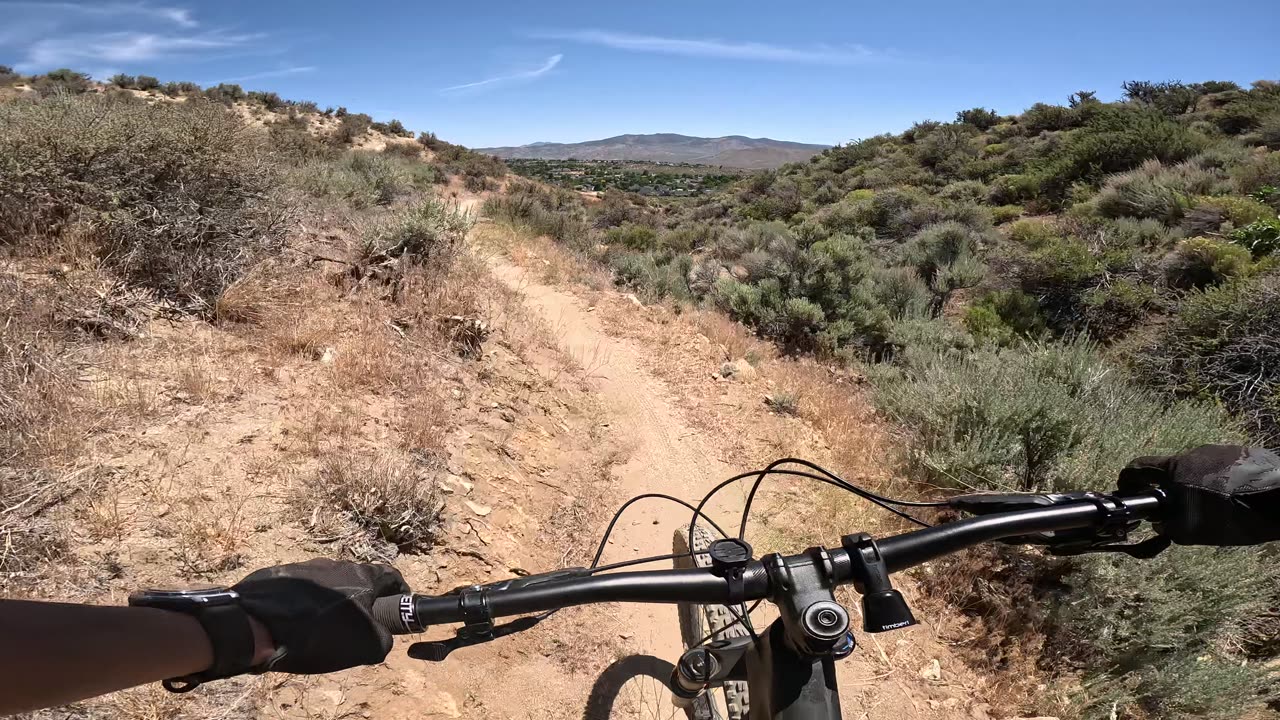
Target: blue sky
<point>494,73</point>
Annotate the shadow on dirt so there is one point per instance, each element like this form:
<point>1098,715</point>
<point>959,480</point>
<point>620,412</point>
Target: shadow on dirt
<point>605,691</point>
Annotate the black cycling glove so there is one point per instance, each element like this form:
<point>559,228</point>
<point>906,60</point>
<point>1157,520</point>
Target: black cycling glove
<point>318,613</point>
<point>1217,494</point>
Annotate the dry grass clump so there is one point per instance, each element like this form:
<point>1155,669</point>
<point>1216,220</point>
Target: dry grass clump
<point>374,505</point>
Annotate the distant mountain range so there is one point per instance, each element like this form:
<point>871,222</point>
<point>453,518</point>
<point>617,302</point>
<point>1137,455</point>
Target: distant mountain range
<point>732,151</point>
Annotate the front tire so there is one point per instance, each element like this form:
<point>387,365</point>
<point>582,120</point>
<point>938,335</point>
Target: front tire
<point>729,702</point>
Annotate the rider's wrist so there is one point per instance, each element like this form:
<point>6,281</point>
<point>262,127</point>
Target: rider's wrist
<point>264,647</point>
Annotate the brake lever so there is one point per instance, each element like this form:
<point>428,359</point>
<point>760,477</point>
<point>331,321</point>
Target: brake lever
<point>478,626</point>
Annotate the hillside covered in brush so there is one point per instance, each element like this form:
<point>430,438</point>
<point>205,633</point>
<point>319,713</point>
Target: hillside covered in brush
<point>1034,299</point>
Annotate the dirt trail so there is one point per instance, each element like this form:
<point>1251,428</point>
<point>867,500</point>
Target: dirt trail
<point>665,454</point>
<point>672,453</point>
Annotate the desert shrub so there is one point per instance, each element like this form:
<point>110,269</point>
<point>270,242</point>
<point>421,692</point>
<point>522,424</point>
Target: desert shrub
<point>945,256</point>
<point>379,174</point>
<point>1202,262</point>
<point>477,182</point>
<point>350,128</point>
<point>146,82</point>
<point>971,191</point>
<point>178,194</point>
<point>407,151</point>
<point>1239,211</point>
<point>8,76</point>
<point>1114,140</point>
<point>655,276</point>
<point>1013,189</point>
<point>1058,273</point>
<point>429,140</point>
<point>61,81</point>
<point>1046,417</point>
<point>1170,98</point>
<point>1128,232</point>
<point>1222,344</point>
<point>430,233</point>
<point>1154,190</point>
<point>633,237</point>
<point>947,148</point>
<point>981,118</point>
<point>902,293</point>
<point>397,128</point>
<point>295,145</point>
<point>819,297</point>
<point>1257,172</point>
<point>1115,307</point>
<point>1041,117</point>
<point>688,236</point>
<point>268,100</point>
<point>1002,214</point>
<point>1033,234</point>
<point>1165,620</point>
<point>1260,238</point>
<point>121,80</point>
<point>1004,317</point>
<point>225,93</point>
<point>395,499</point>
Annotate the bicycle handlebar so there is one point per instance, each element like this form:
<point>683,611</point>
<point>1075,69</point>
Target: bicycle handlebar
<point>409,613</point>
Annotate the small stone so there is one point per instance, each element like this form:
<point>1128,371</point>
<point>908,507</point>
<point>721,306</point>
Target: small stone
<point>626,636</point>
<point>634,300</point>
<point>327,356</point>
<point>932,671</point>
<point>481,510</point>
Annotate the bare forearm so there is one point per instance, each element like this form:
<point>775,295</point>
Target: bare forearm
<point>56,653</point>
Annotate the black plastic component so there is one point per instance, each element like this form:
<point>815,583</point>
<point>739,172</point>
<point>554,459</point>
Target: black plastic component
<point>802,590</point>
<point>883,608</point>
<point>729,559</point>
<point>729,556</point>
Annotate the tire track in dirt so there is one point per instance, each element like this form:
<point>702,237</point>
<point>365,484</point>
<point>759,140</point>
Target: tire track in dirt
<point>664,453</point>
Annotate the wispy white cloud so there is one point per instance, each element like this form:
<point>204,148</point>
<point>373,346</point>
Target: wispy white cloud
<point>705,47</point>
<point>124,47</point>
<point>178,16</point>
<point>265,74</point>
<point>546,67</point>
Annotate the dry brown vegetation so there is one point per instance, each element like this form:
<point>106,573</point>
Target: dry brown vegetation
<point>170,417</point>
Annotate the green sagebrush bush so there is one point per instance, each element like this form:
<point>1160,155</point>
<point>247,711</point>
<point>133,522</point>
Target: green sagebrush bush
<point>817,297</point>
<point>429,233</point>
<point>1202,262</point>
<point>655,276</point>
<point>1004,317</point>
<point>177,195</point>
<point>1115,139</point>
<point>1036,416</point>
<point>1222,343</point>
<point>946,257</point>
<point>1152,634</point>
<point>1155,191</point>
<point>543,211</point>
<point>633,237</point>
<point>1057,417</point>
<point>361,178</point>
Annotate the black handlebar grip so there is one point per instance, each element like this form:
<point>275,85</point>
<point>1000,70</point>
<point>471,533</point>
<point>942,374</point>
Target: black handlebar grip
<point>397,614</point>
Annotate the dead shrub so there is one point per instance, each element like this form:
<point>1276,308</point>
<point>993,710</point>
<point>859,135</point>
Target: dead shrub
<point>374,505</point>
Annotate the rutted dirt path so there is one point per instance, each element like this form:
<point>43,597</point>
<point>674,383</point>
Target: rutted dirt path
<point>664,454</point>
<point>668,450</point>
